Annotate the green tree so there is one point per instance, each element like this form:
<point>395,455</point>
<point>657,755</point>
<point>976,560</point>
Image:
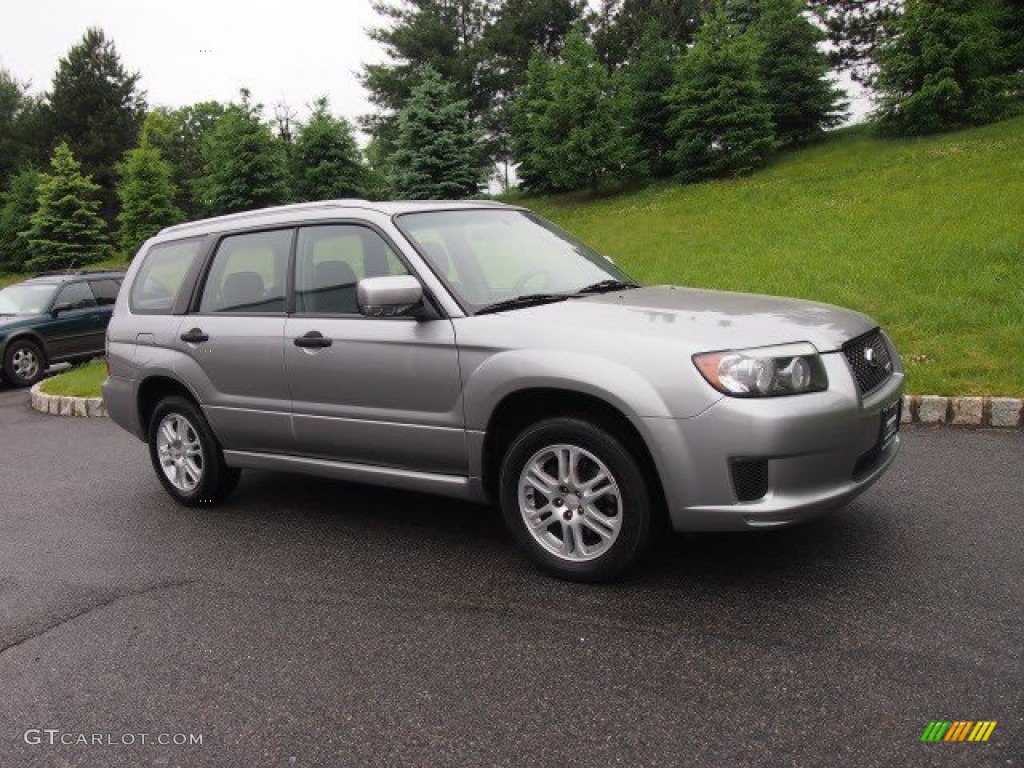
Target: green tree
<point>572,124</point>
<point>794,71</point>
<point>416,35</point>
<point>517,30</point>
<point>146,191</point>
<point>245,162</point>
<point>530,127</point>
<point>943,69</point>
<point>721,119</point>
<point>857,30</point>
<point>437,150</point>
<point>95,105</point>
<point>620,24</point>
<point>13,93</point>
<point>326,161</point>
<point>646,78</point>
<point>181,135</point>
<point>20,201</point>
<point>66,230</point>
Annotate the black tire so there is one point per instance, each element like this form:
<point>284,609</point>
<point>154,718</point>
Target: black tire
<point>19,368</point>
<point>217,480</point>
<point>634,525</point>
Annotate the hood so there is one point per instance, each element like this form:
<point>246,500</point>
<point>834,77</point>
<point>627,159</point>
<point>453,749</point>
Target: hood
<point>706,320</point>
<point>13,321</point>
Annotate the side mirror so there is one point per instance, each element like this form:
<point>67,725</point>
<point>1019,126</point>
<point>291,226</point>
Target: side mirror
<point>61,306</point>
<point>388,296</point>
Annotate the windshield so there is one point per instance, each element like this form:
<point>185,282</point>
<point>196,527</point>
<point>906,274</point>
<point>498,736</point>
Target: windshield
<point>486,256</point>
<point>26,299</point>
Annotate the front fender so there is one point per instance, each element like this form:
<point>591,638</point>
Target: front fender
<point>505,373</point>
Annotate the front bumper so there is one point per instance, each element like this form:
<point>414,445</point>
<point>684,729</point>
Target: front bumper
<point>821,451</point>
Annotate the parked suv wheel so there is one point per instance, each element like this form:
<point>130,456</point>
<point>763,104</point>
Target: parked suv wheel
<point>24,363</point>
<point>575,500</point>
<point>186,456</point>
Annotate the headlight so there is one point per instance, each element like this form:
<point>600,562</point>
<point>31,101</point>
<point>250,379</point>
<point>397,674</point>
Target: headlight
<point>791,369</point>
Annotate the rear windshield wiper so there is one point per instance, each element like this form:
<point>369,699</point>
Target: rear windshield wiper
<point>605,286</point>
<point>519,302</point>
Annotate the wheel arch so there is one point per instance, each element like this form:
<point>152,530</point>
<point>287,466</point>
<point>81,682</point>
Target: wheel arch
<point>27,334</point>
<point>155,388</point>
<point>518,410</point>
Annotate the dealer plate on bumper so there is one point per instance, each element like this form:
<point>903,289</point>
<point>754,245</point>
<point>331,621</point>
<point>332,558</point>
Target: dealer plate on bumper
<point>890,422</point>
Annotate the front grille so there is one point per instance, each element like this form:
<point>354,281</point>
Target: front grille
<point>749,479</point>
<point>868,356</point>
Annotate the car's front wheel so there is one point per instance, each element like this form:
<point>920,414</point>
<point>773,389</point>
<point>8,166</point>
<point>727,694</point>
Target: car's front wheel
<point>24,363</point>
<point>574,498</point>
<point>186,455</point>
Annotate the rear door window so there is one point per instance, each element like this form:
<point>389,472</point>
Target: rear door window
<point>105,291</point>
<point>161,276</point>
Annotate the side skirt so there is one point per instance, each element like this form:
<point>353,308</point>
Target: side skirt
<point>456,486</point>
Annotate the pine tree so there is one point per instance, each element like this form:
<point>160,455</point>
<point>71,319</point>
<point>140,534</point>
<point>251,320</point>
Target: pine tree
<point>13,93</point>
<point>794,71</point>
<point>437,149</point>
<point>96,106</point>
<point>530,128</point>
<point>569,123</point>
<point>943,69</point>
<point>146,191</point>
<point>591,146</point>
<point>857,30</point>
<point>442,35</point>
<point>519,28</point>
<point>66,230</point>
<point>647,76</point>
<point>19,203</point>
<point>181,136</point>
<point>721,119</point>
<point>620,24</point>
<point>245,162</point>
<point>326,161</point>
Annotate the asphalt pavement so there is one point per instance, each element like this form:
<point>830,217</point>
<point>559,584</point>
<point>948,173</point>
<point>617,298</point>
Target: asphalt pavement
<point>313,623</point>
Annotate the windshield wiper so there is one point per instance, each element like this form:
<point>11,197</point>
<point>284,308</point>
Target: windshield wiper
<point>605,286</point>
<point>519,302</point>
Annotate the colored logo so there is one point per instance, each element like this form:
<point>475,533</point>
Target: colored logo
<point>958,730</point>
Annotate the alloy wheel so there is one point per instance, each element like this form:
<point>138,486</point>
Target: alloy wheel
<point>180,452</point>
<point>570,502</point>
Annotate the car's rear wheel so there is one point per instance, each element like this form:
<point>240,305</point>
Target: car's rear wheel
<point>186,456</point>
<point>24,363</point>
<point>574,498</point>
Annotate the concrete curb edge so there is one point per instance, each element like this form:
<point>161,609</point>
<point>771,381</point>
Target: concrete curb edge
<point>60,405</point>
<point>999,412</point>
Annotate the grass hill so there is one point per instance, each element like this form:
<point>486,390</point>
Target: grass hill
<point>925,235</point>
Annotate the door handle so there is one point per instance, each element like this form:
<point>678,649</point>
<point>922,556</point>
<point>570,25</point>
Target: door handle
<point>195,336</point>
<point>313,340</point>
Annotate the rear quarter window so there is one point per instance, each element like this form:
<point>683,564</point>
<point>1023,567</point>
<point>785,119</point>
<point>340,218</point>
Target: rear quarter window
<point>161,276</point>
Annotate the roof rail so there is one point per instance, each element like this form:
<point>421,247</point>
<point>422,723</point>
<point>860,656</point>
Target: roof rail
<point>242,215</point>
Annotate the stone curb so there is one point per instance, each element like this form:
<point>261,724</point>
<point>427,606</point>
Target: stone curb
<point>1001,412</point>
<point>59,405</point>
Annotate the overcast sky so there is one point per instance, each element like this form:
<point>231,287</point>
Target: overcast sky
<point>192,50</point>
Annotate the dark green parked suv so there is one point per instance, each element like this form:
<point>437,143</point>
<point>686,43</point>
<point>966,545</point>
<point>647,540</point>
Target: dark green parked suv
<point>54,318</point>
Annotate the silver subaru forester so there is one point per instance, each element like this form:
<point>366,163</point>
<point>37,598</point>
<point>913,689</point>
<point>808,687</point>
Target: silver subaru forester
<point>474,350</point>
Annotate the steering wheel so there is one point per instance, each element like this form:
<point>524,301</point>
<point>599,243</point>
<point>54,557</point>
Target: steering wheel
<point>522,281</point>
